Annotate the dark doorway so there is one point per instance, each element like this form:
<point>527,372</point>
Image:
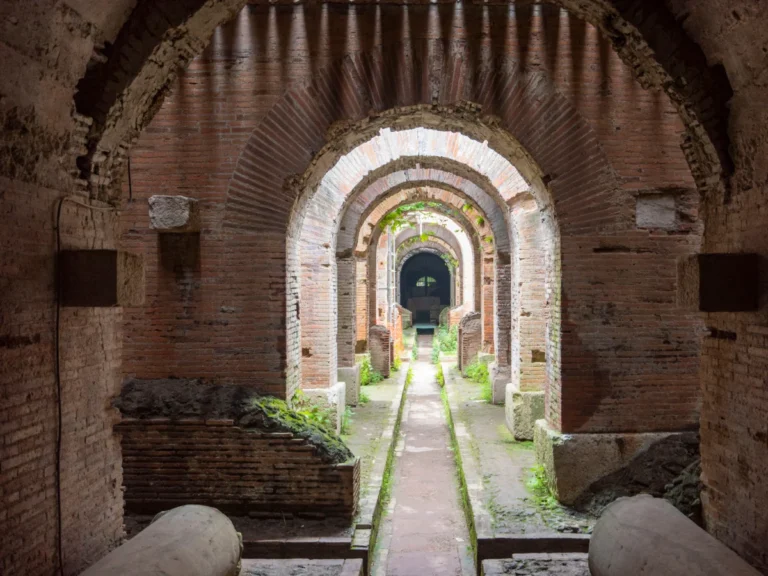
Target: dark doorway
<point>425,287</point>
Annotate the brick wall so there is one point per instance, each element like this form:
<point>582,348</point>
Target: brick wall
<point>236,470</point>
<point>469,339</point>
<point>90,353</point>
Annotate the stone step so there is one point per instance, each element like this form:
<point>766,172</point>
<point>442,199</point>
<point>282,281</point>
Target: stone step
<point>566,564</point>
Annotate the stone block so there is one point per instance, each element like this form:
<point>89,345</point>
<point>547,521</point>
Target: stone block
<point>101,278</point>
<point>500,377</point>
<point>522,410</point>
<point>573,462</point>
<point>351,378</point>
<point>175,214</point>
<point>333,397</point>
<point>656,211</point>
<point>718,282</point>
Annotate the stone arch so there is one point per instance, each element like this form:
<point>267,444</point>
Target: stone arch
<point>406,173</point>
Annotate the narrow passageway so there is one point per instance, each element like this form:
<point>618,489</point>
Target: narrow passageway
<point>428,529</point>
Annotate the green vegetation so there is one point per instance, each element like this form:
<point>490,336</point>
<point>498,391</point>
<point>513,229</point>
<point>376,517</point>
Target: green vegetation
<point>435,350</point>
<point>409,376</point>
<point>364,397</point>
<point>440,376</point>
<point>314,411</point>
<point>539,488</point>
<point>415,350</point>
<point>346,421</point>
<point>367,374</point>
<point>398,218</point>
<point>480,221</point>
<point>396,363</point>
<point>447,338</point>
<point>310,423</point>
<point>478,372</point>
<point>450,261</point>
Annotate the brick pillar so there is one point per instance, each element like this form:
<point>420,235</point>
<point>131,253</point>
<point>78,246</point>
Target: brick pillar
<point>379,343</point>
<point>487,307</point>
<point>470,339</point>
<point>501,373</point>
<point>347,301</point>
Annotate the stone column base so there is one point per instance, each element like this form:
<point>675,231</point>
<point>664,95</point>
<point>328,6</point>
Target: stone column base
<point>351,378</point>
<point>332,397</point>
<point>573,462</point>
<point>522,410</point>
<point>500,377</point>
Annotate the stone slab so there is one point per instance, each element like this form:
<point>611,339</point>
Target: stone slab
<point>573,462</point>
<point>522,409</point>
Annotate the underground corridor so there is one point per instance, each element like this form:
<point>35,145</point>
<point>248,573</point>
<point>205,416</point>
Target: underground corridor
<point>383,289</point>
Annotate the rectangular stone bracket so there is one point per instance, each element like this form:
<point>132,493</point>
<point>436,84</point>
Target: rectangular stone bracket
<point>718,282</point>
<point>174,214</point>
<point>101,278</point>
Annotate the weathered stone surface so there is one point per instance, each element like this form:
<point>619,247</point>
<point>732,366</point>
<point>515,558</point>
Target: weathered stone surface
<point>186,541</point>
<point>174,214</point>
<point>351,378</point>
<point>648,536</point>
<point>500,377</point>
<point>538,565</point>
<point>522,410</point>
<point>573,463</point>
<point>656,211</point>
<point>650,472</point>
<point>333,397</point>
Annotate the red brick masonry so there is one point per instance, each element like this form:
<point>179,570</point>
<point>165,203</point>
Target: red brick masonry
<point>237,470</point>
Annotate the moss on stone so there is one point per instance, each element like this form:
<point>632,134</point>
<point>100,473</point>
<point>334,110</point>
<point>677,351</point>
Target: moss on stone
<point>182,398</point>
<point>269,413</point>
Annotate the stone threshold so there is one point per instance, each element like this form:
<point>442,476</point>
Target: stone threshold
<point>487,544</point>
<point>360,543</point>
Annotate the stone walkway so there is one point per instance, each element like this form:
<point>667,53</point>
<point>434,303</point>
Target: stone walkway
<point>425,532</point>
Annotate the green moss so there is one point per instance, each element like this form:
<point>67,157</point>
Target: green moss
<point>440,376</point>
<point>272,414</point>
<point>477,372</point>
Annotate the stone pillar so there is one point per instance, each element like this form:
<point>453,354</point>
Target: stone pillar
<point>379,343</point>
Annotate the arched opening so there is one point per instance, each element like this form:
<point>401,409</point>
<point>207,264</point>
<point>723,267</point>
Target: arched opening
<point>426,287</point>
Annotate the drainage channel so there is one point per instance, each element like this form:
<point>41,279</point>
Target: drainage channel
<point>424,530</point>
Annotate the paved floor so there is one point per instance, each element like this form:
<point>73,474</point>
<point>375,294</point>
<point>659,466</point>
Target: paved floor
<point>425,532</point>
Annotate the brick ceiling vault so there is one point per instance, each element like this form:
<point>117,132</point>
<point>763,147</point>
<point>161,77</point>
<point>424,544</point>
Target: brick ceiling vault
<point>126,82</point>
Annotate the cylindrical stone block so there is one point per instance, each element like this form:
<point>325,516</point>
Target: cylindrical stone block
<point>186,541</point>
<point>643,535</point>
